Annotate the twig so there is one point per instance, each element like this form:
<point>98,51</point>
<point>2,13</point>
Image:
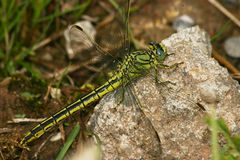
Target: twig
<point>62,131</point>
<point>226,63</point>
<point>72,68</point>
<point>105,7</point>
<point>47,40</point>
<point>92,68</point>
<point>2,155</point>
<point>41,146</point>
<point>95,74</point>
<point>236,76</point>
<point>47,93</point>
<point>107,20</point>
<point>25,120</point>
<point>225,11</point>
<point>5,130</point>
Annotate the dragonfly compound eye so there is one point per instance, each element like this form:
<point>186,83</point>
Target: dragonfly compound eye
<point>161,51</point>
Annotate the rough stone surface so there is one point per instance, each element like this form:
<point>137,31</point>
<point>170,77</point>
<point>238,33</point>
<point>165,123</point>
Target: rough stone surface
<point>163,121</point>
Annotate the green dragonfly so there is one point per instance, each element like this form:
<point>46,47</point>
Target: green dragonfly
<point>134,65</point>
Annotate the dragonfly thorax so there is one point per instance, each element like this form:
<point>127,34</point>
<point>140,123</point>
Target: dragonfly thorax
<point>140,62</point>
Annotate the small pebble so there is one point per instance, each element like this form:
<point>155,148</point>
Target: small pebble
<point>47,57</point>
<point>232,46</point>
<point>76,41</point>
<point>183,22</point>
<point>56,137</point>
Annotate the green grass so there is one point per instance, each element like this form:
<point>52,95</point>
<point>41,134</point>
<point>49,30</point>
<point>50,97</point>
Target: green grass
<point>70,139</point>
<point>221,31</point>
<point>25,23</point>
<point>230,150</point>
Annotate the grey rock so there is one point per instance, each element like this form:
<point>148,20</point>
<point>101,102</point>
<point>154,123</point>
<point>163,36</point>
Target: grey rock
<point>232,47</point>
<point>76,41</point>
<point>165,120</point>
<point>182,22</point>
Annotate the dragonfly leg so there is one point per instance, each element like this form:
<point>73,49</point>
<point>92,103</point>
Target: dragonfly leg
<point>166,82</point>
<point>120,95</point>
<point>170,54</point>
<point>175,65</point>
<point>164,66</point>
<point>159,80</point>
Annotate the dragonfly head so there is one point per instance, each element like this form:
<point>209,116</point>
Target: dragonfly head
<point>159,49</point>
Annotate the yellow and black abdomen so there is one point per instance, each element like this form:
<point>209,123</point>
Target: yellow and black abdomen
<point>87,100</point>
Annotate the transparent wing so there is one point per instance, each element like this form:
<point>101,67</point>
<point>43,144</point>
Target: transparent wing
<point>127,39</point>
<point>111,37</point>
<point>78,34</point>
<point>118,42</point>
<point>124,17</point>
<point>82,32</point>
<point>126,95</point>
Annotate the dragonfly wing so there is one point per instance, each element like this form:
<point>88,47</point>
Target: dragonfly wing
<point>127,96</point>
<point>79,34</point>
<point>124,127</point>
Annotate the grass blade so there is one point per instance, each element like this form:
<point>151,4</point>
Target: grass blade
<point>68,142</point>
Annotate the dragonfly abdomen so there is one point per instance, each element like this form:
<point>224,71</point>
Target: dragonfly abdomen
<point>87,100</point>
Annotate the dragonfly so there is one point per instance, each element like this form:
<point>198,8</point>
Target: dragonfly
<point>134,65</point>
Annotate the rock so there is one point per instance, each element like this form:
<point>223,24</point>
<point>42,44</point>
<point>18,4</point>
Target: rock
<point>182,22</point>
<point>231,46</point>
<point>76,41</point>
<point>166,120</point>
